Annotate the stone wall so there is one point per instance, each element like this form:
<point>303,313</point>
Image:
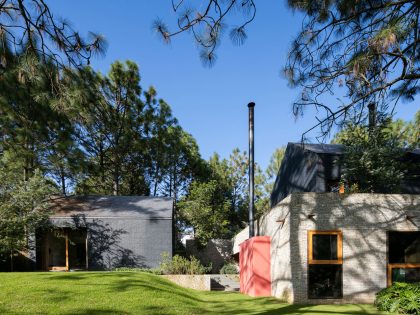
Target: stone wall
<point>196,282</point>
<point>217,252</point>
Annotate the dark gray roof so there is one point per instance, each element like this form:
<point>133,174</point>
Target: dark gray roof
<point>321,148</point>
<point>414,151</point>
<point>112,206</point>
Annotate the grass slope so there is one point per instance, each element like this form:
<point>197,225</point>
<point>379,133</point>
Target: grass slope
<point>135,293</point>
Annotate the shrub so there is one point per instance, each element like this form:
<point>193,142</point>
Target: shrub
<point>229,269</point>
<point>179,265</point>
<point>155,271</point>
<point>403,298</point>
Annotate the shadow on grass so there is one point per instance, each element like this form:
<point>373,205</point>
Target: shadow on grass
<point>305,309</point>
<point>126,289</point>
<point>95,312</point>
<point>125,281</point>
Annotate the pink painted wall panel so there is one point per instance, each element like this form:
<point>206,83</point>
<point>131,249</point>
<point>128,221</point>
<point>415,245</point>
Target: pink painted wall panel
<point>254,262</point>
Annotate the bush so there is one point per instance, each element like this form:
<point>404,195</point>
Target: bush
<point>182,266</point>
<point>403,298</point>
<point>229,269</point>
<point>155,271</point>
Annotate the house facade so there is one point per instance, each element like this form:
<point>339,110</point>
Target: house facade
<point>326,246</point>
<point>333,248</point>
<point>104,232</point>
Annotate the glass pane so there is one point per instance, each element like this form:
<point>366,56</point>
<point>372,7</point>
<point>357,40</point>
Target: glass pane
<point>406,275</point>
<point>404,247</point>
<point>77,249</point>
<point>324,247</point>
<point>56,246</point>
<point>325,281</point>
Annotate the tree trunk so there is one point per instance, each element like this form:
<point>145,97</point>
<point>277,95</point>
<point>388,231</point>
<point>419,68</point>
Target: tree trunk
<point>63,181</point>
<point>26,163</point>
<point>115,187</point>
<point>101,161</point>
<point>11,260</point>
<point>156,181</point>
<point>116,182</point>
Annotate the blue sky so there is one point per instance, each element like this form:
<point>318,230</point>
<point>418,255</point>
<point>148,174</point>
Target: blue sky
<point>209,103</point>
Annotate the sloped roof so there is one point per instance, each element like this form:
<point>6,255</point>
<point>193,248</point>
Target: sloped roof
<point>112,206</point>
<point>321,148</point>
<point>414,152</point>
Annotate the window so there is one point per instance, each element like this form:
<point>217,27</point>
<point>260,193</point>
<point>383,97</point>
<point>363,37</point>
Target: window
<point>403,257</point>
<point>325,247</point>
<point>325,265</point>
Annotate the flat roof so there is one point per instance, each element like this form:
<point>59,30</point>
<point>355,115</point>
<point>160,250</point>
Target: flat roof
<point>112,206</point>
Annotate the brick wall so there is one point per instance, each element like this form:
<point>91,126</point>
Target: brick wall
<point>364,220</point>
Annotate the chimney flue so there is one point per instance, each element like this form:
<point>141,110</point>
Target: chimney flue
<point>251,168</point>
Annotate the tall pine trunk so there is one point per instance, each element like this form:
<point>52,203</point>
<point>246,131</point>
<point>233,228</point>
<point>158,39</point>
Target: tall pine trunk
<point>63,181</point>
<point>116,181</point>
<point>156,181</point>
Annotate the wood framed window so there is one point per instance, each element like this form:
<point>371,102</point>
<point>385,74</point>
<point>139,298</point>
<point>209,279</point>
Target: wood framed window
<point>403,257</point>
<point>325,247</point>
<point>325,264</point>
<point>65,249</point>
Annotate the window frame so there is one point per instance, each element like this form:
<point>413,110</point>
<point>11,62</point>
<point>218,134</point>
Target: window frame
<point>338,261</point>
<point>391,266</point>
<point>399,266</point>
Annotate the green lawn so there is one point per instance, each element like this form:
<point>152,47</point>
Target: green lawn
<point>135,293</point>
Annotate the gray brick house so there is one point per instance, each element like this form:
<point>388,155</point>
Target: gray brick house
<point>104,232</point>
<point>331,247</point>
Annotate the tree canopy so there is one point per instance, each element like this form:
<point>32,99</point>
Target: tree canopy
<point>359,52</point>
<point>31,24</point>
<point>373,160</point>
<point>370,48</point>
<point>217,205</point>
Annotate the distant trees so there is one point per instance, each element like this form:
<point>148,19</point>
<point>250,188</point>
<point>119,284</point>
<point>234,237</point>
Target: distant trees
<point>23,208</point>
<point>207,209</point>
<point>405,133</point>
<point>101,134</point>
<point>104,135</point>
<point>217,207</point>
<point>372,160</point>
<point>273,168</point>
<point>113,128</point>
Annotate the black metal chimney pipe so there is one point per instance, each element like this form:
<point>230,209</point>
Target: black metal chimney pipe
<point>251,169</point>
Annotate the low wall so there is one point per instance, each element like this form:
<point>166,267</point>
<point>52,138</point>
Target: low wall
<point>196,282</point>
